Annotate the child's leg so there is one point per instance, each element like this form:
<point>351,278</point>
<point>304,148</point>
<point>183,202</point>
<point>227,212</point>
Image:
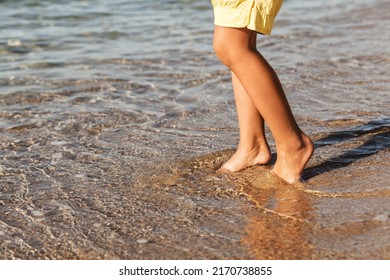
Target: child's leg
<point>253,147</point>
<point>294,148</point>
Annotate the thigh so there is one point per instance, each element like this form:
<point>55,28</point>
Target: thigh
<point>234,38</point>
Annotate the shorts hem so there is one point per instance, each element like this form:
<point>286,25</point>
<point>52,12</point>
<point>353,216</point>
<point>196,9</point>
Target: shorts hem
<point>249,17</point>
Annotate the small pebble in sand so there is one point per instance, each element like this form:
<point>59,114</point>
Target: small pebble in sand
<point>142,241</point>
<point>57,156</point>
<point>37,213</point>
<point>58,143</point>
<point>382,218</point>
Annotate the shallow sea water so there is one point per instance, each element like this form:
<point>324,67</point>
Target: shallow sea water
<point>114,116</point>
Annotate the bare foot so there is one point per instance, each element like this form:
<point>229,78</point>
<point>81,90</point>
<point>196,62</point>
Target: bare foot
<point>244,158</point>
<point>290,164</point>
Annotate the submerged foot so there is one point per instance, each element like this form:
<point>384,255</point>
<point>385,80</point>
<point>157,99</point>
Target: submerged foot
<point>244,158</point>
<point>290,164</point>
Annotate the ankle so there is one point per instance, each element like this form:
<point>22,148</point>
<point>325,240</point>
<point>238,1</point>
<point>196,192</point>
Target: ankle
<point>255,147</point>
<point>295,143</point>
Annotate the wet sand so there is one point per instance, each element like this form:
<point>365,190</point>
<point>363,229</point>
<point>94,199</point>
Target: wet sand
<point>187,211</point>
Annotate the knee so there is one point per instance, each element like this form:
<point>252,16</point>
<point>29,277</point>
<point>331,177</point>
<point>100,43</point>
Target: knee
<point>230,52</point>
<point>225,53</point>
<point>219,49</point>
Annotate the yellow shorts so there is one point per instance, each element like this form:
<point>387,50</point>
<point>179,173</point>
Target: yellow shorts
<point>257,15</point>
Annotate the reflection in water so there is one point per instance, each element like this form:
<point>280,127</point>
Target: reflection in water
<point>282,230</point>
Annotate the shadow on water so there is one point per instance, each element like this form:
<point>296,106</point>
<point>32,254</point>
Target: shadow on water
<point>379,139</point>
